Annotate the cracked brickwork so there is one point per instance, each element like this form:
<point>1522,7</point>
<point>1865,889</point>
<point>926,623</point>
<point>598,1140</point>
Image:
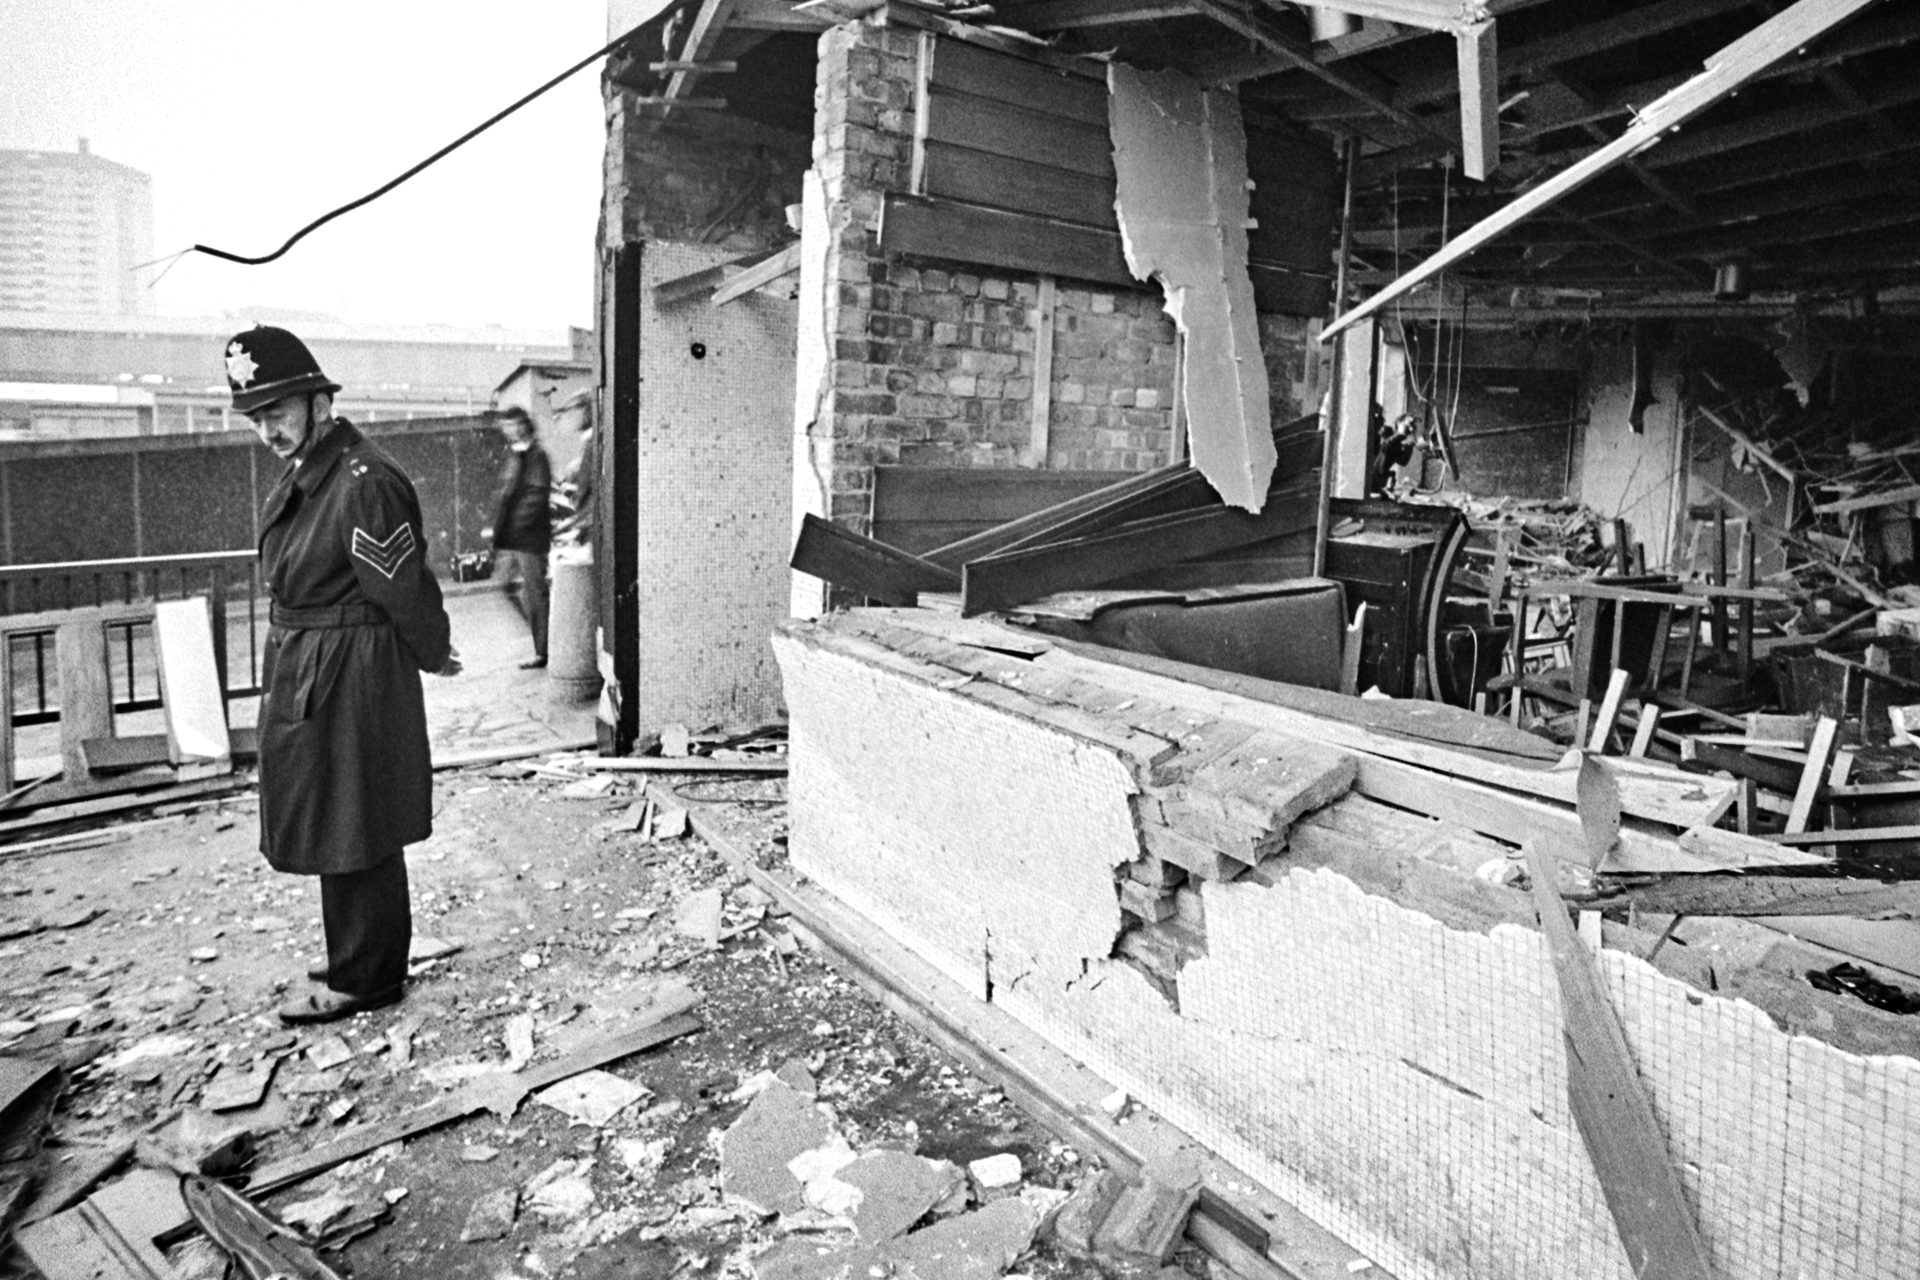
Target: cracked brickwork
<point>932,362</point>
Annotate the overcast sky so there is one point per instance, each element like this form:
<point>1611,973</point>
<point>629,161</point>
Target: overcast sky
<point>255,118</point>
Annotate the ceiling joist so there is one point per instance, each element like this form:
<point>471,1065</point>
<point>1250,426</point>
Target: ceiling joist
<point>1772,41</point>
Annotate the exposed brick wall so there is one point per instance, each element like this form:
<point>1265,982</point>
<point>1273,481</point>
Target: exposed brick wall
<point>933,362</point>
<point>1298,364</point>
<point>696,177</point>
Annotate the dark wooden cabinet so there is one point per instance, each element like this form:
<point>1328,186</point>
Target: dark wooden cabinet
<point>1388,571</point>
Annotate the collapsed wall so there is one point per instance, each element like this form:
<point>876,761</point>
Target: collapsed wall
<point>1357,1022</point>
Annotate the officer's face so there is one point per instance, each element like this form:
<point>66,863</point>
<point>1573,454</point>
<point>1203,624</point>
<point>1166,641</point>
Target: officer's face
<point>284,426</point>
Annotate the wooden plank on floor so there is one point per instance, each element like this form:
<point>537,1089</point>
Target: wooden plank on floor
<point>1610,1104</point>
<point>196,709</point>
<point>667,1023</point>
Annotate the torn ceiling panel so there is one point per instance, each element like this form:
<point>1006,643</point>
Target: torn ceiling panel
<point>1179,154</point>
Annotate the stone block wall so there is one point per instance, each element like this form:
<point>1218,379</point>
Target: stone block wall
<point>933,362</point>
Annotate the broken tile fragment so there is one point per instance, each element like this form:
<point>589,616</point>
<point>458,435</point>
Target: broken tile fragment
<point>896,1190</point>
<point>995,1171</point>
<point>974,1246</point>
<point>518,1038</point>
<point>592,1097</point>
<point>778,1125</point>
<point>315,1215</point>
<point>697,916</point>
<point>235,1088</point>
<point>328,1052</point>
<point>491,1216</point>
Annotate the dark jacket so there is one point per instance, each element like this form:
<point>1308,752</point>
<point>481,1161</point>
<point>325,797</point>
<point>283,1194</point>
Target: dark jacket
<point>345,775</point>
<point>521,519</point>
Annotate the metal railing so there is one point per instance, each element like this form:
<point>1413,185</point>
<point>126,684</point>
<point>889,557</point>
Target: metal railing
<point>35,595</point>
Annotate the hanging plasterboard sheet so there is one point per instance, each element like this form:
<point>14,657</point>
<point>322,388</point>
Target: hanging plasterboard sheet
<point>1180,157</point>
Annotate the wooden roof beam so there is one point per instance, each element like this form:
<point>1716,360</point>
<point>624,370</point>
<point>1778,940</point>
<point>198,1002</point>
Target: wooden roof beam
<point>1071,15</point>
<point>709,21</point>
<point>1261,27</point>
<point>1624,28</point>
<point>1476,51</point>
<point>1776,39</point>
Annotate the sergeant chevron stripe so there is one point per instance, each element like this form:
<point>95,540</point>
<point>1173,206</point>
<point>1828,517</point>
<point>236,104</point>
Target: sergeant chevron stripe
<point>387,555</point>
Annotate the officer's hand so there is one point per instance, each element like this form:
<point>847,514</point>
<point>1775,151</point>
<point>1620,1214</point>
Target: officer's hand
<point>452,666</point>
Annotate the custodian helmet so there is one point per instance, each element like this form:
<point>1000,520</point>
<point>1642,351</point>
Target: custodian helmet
<point>266,364</point>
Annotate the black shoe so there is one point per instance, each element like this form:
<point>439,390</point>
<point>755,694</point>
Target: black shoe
<point>533,664</point>
<point>331,1006</point>
<point>317,971</point>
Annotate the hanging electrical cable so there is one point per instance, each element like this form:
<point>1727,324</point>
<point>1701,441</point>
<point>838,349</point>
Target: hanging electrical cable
<point>375,194</point>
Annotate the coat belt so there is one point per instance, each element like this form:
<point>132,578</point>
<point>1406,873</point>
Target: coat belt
<point>342,615</point>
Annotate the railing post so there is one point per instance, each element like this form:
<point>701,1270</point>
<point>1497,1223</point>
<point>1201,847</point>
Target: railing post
<point>217,605</point>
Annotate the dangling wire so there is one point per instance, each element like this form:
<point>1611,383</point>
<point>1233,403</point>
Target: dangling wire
<point>457,143</point>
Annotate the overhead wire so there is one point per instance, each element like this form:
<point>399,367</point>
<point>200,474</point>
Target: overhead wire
<point>376,193</point>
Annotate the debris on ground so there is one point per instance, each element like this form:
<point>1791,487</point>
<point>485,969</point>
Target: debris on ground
<point>798,1126</point>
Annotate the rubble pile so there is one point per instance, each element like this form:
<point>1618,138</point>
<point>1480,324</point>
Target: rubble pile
<point>792,1129</point>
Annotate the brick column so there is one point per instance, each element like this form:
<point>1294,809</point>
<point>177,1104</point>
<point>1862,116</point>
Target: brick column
<point>862,147</point>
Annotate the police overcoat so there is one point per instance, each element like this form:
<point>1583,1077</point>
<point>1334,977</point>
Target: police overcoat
<point>345,775</point>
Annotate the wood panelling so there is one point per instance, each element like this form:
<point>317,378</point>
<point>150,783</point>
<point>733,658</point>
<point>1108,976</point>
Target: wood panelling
<point>965,174</point>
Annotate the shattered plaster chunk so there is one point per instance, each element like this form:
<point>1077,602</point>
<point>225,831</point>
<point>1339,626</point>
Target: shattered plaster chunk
<point>974,1246</point>
<point>896,1190</point>
<point>1180,160</point>
<point>778,1125</point>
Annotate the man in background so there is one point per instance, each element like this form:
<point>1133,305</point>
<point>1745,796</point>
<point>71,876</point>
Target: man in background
<point>522,525</point>
<point>575,413</point>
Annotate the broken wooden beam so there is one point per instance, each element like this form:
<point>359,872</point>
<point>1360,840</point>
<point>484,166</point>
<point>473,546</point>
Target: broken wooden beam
<point>670,1022</point>
<point>1773,40</point>
<point>1476,53</point>
<point>1609,1102</point>
<point>1767,895</point>
<point>1013,578</point>
<point>785,262</point>
<point>861,565</point>
<point>774,767</point>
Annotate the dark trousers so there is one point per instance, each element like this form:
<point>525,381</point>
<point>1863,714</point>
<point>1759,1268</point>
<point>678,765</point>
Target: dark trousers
<point>531,568</point>
<point>369,924</point>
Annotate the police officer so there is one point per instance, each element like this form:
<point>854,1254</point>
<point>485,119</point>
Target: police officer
<point>346,780</point>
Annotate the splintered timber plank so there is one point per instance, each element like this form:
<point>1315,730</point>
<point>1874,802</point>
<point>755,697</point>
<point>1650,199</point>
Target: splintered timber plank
<point>1445,739</point>
<point>869,568</point>
<point>1610,1105</point>
<point>1297,443</point>
<point>1014,578</point>
<point>1764,895</point>
<point>670,1022</point>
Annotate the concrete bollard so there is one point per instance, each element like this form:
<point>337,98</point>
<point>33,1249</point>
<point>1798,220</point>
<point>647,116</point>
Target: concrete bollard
<point>573,675</point>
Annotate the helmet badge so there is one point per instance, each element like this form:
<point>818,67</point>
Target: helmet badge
<point>240,365</point>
